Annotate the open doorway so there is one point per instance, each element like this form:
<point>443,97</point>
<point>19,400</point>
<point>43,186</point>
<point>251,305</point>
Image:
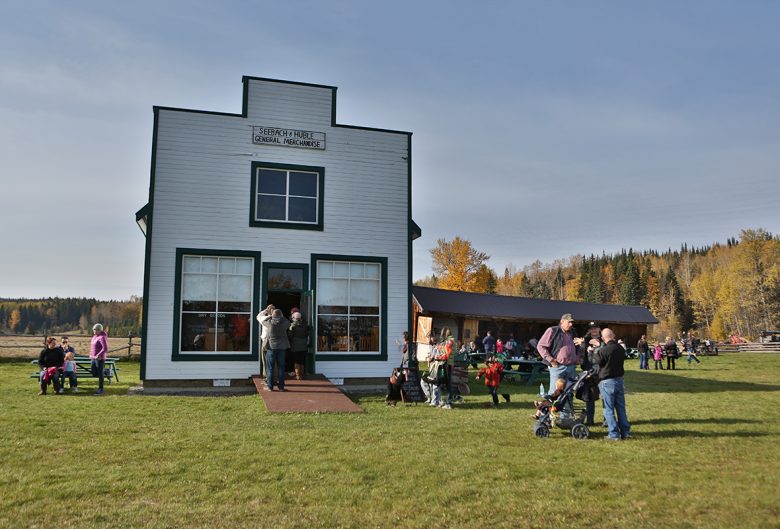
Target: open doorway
<point>285,286</point>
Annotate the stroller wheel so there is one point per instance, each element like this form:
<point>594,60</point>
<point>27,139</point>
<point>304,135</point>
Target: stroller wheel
<point>580,431</point>
<point>542,431</point>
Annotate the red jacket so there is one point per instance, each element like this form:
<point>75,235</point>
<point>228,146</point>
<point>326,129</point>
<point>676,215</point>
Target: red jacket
<point>492,373</point>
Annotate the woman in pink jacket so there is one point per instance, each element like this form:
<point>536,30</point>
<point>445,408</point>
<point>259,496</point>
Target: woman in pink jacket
<point>97,353</point>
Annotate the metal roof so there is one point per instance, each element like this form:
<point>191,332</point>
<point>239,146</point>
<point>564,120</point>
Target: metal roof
<point>435,300</point>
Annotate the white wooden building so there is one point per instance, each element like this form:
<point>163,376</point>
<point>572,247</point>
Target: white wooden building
<point>278,204</point>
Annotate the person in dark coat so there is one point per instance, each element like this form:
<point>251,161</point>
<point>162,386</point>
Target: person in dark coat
<point>610,359</point>
<point>299,343</point>
<point>50,361</point>
<point>276,327</point>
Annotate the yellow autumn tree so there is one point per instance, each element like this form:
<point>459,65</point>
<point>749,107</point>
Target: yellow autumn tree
<point>14,320</point>
<point>459,266</point>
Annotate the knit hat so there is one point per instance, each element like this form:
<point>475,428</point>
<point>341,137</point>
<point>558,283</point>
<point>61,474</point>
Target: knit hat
<point>97,327</point>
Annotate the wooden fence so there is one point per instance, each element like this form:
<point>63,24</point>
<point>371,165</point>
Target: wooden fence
<point>132,342</point>
<point>750,347</point>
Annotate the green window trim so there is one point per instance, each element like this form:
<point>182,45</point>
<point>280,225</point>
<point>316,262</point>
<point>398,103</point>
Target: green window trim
<point>291,266</point>
<point>177,355</point>
<point>288,225</point>
<point>326,357</point>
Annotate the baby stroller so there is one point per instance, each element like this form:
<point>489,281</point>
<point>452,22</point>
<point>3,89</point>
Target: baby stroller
<point>561,413</point>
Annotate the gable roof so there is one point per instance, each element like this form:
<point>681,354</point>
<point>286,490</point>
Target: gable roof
<point>435,300</point>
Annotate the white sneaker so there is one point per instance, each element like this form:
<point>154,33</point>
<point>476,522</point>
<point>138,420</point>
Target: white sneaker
<point>434,404</point>
<point>75,390</point>
<point>446,406</point>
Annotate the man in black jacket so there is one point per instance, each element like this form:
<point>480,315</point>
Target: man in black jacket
<point>610,360</point>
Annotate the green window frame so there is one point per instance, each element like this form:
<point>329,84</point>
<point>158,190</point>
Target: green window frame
<point>286,196</point>
<point>190,356</point>
<point>348,356</point>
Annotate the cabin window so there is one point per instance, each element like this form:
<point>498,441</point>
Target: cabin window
<point>286,196</point>
<point>349,306</point>
<point>215,304</point>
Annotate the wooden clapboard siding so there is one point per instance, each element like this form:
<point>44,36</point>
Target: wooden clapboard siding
<point>201,199</point>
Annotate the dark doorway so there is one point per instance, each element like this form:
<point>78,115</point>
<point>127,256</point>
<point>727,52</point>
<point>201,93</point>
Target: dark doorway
<point>284,284</point>
<point>285,301</point>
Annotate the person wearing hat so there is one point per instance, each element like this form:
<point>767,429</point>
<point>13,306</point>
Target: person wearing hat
<point>559,349</point>
<point>593,343</point>
<point>98,348</point>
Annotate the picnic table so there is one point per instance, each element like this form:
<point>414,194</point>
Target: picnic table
<point>84,369</point>
<point>533,369</point>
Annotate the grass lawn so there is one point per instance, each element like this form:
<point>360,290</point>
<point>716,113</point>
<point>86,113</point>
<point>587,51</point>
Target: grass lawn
<point>705,453</point>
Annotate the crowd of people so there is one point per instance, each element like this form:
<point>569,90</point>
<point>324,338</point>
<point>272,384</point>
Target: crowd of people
<point>599,352</point>
<point>57,362</point>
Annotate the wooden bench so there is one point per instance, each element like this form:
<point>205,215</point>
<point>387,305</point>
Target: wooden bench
<point>84,369</point>
<point>533,369</point>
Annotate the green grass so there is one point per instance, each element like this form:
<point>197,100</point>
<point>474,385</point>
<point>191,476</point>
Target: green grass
<point>705,453</point>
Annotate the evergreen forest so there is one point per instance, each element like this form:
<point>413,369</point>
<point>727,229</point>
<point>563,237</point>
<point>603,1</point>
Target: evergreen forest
<point>716,291</point>
<point>69,315</point>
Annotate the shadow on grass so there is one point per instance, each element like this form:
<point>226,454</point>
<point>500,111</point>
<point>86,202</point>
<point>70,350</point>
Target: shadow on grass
<point>713,420</point>
<point>671,434</point>
<point>662,382</point>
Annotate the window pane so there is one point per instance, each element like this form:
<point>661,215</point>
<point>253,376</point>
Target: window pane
<point>303,184</point>
<point>372,271</point>
<point>363,293</point>
<point>285,279</point>
<point>199,287</point>
<point>271,207</point>
<point>356,270</point>
<point>325,269</point>
<point>233,332</point>
<point>235,288</point>
<point>303,209</point>
<point>364,332</point>
<point>272,181</point>
<point>197,332</point>
<point>332,333</point>
<point>340,269</point>
<point>332,292</point>
<point>227,266</point>
<point>190,264</point>
<point>210,265</point>
<point>244,266</point>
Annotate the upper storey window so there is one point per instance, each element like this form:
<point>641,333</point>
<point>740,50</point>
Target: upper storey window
<point>286,196</point>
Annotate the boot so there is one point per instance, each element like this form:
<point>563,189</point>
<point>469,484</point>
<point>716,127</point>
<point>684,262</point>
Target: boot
<point>298,371</point>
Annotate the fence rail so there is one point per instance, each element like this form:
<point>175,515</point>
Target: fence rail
<point>132,341</point>
<point>750,347</point>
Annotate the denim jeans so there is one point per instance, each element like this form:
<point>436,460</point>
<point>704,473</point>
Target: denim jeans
<point>562,371</point>
<point>71,377</point>
<point>98,368</point>
<point>643,360</point>
<point>613,397</point>
<point>274,368</point>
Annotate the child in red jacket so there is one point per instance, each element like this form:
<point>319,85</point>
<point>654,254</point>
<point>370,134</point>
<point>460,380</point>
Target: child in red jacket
<point>492,372</point>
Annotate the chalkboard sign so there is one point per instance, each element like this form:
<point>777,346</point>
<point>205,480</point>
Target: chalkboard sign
<point>411,388</point>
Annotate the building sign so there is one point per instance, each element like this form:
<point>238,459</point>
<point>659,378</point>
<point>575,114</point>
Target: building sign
<point>304,139</point>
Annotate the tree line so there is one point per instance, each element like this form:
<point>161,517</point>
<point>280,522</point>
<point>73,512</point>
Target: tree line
<point>69,315</point>
<point>716,290</point>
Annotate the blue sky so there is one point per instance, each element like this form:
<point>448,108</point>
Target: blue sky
<point>541,129</point>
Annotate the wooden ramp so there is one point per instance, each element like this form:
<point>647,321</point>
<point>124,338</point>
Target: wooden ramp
<point>317,395</point>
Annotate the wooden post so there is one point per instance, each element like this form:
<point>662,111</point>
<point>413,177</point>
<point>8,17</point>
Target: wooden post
<point>129,345</point>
